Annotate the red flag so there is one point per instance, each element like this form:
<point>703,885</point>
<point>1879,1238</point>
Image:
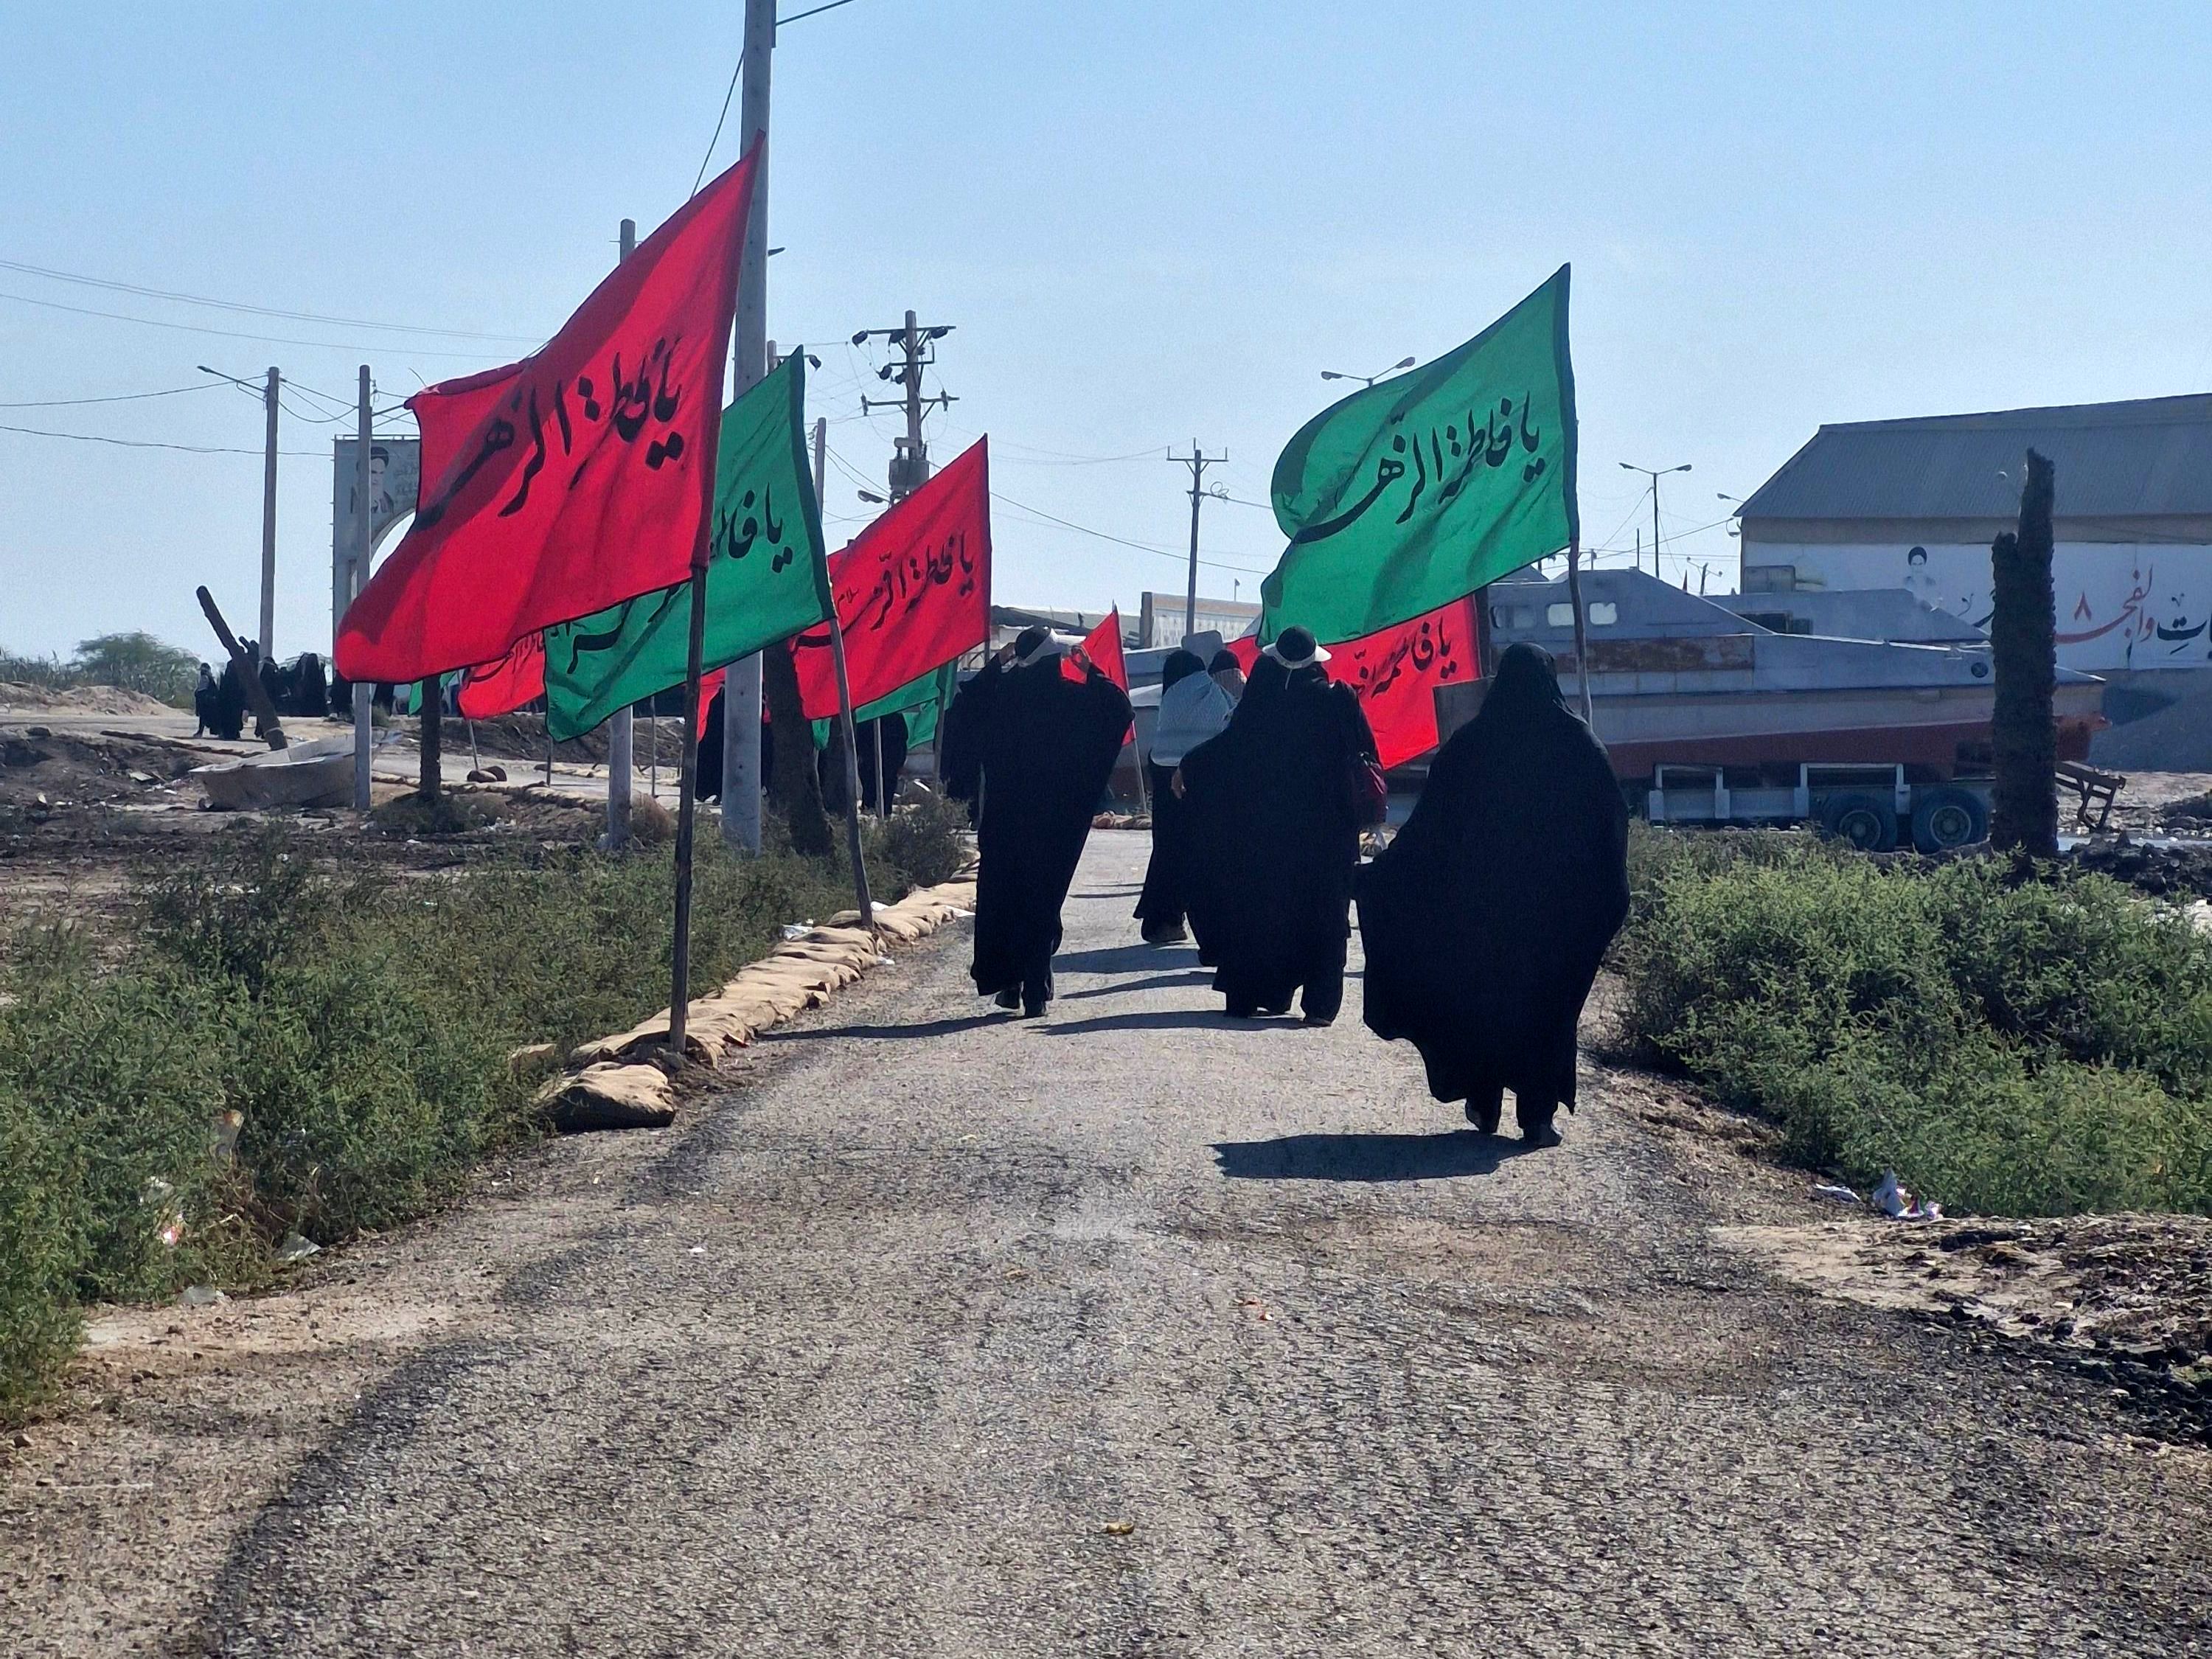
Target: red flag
<point>914,592</point>
<point>1394,672</point>
<point>502,687</point>
<point>590,478</point>
<point>1102,644</point>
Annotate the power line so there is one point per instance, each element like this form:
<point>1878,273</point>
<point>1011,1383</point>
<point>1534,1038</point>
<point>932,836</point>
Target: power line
<point>734,73</point>
<point>231,333</point>
<point>256,310</point>
<point>1123,541</point>
<point>149,443</point>
<point>816,12</point>
<point>115,398</point>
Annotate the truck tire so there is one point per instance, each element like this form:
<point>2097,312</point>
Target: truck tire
<point>1946,818</point>
<point>1867,822</point>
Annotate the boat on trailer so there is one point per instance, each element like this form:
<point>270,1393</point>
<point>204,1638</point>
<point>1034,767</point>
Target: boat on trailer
<point>1713,717</point>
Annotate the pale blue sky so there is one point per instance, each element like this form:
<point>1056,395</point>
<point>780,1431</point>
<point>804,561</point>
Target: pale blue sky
<point>1149,222</point>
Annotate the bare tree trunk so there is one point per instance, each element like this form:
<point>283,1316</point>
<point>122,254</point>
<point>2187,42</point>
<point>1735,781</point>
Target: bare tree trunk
<point>796,789</point>
<point>2024,651</point>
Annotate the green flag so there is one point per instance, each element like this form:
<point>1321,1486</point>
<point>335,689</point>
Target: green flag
<point>765,576</point>
<point>1412,494</point>
<point>918,700</point>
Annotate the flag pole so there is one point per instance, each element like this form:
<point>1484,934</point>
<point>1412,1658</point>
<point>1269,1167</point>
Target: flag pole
<point>1582,633</point>
<point>680,992</point>
<point>851,762</point>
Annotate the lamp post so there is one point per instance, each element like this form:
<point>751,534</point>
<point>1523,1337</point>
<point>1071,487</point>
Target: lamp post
<point>1368,379</point>
<point>1655,474</point>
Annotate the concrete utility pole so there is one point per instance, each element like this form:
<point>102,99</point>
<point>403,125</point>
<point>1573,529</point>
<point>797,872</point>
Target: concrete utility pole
<point>269,518</point>
<point>741,688</point>
<point>621,727</point>
<point>1198,460</point>
<point>364,512</point>
<point>910,468</point>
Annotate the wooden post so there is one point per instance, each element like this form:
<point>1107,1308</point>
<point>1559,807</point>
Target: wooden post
<point>687,801</point>
<point>430,697</point>
<point>1581,631</point>
<point>267,727</point>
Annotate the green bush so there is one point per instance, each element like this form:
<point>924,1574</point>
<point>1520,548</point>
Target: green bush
<point>360,1026</point>
<point>2013,1047</point>
<point>927,839</point>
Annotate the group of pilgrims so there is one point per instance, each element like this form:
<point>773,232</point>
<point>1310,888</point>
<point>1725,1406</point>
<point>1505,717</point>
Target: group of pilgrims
<point>1483,920</point>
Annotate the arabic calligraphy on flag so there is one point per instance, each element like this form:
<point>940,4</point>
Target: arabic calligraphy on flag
<point>1417,491</point>
<point>1395,672</point>
<point>913,592</point>
<point>764,571</point>
<point>590,477</point>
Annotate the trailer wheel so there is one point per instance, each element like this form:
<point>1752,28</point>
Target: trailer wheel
<point>1867,822</point>
<point>1945,818</point>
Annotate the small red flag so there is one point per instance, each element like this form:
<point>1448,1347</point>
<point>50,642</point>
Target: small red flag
<point>588,480</point>
<point>1394,672</point>
<point>1102,644</point>
<point>914,592</point>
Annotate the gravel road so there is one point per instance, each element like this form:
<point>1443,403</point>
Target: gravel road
<point>1135,1332</point>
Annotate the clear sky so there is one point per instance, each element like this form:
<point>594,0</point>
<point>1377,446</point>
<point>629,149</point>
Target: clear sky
<point>1149,222</point>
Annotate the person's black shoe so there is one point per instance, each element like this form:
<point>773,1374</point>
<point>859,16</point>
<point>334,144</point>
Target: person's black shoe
<point>1320,1019</point>
<point>1243,1011</point>
<point>1540,1134</point>
<point>1173,933</point>
<point>1033,998</point>
<point>1009,998</point>
<point>1277,1010</point>
<point>1485,1113</point>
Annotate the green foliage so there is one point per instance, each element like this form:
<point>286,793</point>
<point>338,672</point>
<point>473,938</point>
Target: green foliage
<point>928,838</point>
<point>360,1025</point>
<point>2012,1047</point>
<point>137,661</point>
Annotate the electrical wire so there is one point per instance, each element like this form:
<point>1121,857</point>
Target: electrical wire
<point>255,311</point>
<point>116,397</point>
<point>718,119</point>
<point>148,443</point>
<point>1123,541</point>
<point>816,12</point>
<point>229,334</point>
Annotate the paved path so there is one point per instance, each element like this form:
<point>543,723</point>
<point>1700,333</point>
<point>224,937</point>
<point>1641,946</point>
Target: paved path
<point>1135,1333</point>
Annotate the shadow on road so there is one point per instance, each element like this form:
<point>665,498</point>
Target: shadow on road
<point>1365,1158</point>
<point>1126,959</point>
<point>1157,982</point>
<point>928,1027</point>
<point>1155,1019</point>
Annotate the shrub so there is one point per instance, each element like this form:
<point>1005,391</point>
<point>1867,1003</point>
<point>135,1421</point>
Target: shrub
<point>927,839</point>
<point>2019,1048</point>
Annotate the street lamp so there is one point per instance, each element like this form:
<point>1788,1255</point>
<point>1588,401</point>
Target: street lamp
<point>1655,474</point>
<point>1368,379</point>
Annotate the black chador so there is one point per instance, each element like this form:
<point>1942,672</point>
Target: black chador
<point>1274,798</point>
<point>1485,921</point>
<point>1031,750</point>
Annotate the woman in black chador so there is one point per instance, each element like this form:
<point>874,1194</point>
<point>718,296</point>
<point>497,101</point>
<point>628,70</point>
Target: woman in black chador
<point>1485,919</point>
<point>1275,798</point>
<point>1031,750</point>
<point>1193,710</point>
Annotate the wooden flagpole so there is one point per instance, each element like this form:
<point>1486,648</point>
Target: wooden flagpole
<point>1581,632</point>
<point>852,766</point>
<point>687,801</point>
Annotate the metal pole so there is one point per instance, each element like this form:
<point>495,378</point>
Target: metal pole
<point>268,520</point>
<point>361,545</point>
<point>680,992</point>
<point>1190,591</point>
<point>620,726</point>
<point>741,690</point>
<point>852,767</point>
<point>1655,529</point>
<point>1581,635</point>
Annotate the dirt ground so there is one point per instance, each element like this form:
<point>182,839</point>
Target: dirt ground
<point>937,1332</point>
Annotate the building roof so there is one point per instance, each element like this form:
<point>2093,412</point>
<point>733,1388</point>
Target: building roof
<point>2150,458</point>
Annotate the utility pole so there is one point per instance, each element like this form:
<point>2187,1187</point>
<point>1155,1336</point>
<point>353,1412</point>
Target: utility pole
<point>1198,460</point>
<point>621,727</point>
<point>910,468</point>
<point>269,519</point>
<point>1655,474</point>
<point>741,686</point>
<point>362,542</point>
